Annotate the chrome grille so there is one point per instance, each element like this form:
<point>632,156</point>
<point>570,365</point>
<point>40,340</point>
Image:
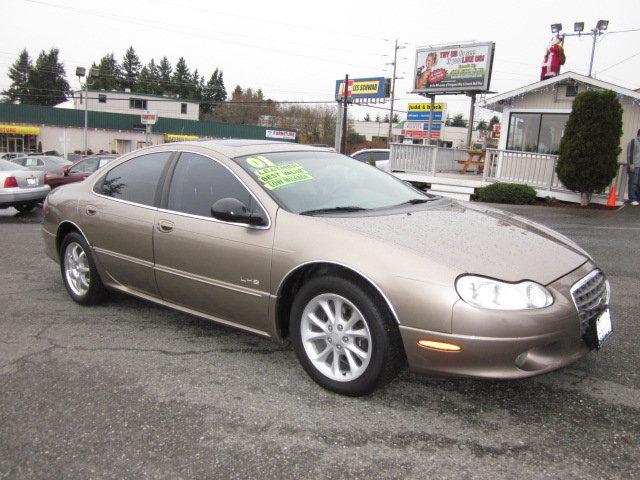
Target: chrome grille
<point>590,296</point>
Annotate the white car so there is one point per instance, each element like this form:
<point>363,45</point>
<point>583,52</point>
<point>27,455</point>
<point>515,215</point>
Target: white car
<point>378,155</point>
<point>20,187</point>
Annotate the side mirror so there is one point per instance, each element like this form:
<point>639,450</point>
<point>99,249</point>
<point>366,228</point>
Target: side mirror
<point>233,210</point>
<point>65,170</point>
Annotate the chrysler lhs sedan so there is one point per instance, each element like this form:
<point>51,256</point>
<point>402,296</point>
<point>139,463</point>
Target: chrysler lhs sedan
<point>360,271</point>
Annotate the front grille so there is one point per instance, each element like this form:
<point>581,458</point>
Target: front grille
<point>590,297</point>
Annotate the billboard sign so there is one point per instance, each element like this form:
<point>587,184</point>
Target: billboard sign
<point>422,111</point>
<point>281,134</point>
<point>422,126</point>
<point>452,69</point>
<point>360,88</point>
<point>420,134</point>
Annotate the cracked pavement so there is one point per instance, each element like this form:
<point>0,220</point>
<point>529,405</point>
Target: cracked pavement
<point>132,390</point>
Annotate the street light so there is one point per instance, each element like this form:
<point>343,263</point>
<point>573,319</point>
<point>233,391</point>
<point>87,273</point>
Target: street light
<point>80,73</point>
<point>578,27</point>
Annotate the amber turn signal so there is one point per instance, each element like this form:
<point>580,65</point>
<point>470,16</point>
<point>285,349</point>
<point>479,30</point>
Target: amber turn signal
<point>442,346</point>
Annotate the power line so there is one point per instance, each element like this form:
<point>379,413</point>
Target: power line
<point>618,63</point>
<point>164,29</point>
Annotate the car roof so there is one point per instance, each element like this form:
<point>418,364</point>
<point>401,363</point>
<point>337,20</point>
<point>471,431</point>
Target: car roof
<point>238,148</point>
<point>364,150</point>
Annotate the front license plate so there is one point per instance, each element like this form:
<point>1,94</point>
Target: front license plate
<point>32,181</point>
<point>603,326</point>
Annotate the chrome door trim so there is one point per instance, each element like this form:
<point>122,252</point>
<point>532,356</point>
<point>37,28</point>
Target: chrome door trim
<point>127,258</point>
<point>209,281</point>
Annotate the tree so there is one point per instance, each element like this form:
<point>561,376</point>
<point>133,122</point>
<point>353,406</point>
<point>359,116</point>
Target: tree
<point>367,118</point>
<point>386,118</point>
<point>130,69</point>
<point>181,79</point>
<point>213,92</point>
<point>590,145</point>
<point>458,121</point>
<point>165,71</point>
<point>47,82</point>
<point>377,118</point>
<point>109,74</point>
<point>396,118</point>
<point>19,75</point>
<point>155,87</point>
<point>482,125</point>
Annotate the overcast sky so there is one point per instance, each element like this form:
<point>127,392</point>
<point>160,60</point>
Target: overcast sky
<point>295,50</point>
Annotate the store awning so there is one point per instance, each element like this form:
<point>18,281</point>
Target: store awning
<point>19,129</point>
<point>175,137</point>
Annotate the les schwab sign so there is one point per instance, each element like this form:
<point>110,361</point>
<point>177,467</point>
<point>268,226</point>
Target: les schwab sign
<point>455,68</point>
<point>362,88</point>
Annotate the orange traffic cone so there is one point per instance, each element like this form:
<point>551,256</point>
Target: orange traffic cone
<point>611,201</point>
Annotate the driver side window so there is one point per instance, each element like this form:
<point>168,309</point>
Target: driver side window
<point>198,182</point>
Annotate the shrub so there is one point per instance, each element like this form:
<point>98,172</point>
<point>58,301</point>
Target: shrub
<point>507,193</point>
<point>590,145</point>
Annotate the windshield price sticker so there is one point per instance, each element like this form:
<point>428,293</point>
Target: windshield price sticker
<point>273,176</point>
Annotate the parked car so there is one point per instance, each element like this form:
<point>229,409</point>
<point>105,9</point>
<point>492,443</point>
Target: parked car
<point>379,156</point>
<point>362,272</point>
<point>12,155</point>
<point>50,164</point>
<point>79,170</point>
<point>20,187</point>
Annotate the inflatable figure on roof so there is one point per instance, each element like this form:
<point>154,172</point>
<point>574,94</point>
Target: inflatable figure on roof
<point>553,58</point>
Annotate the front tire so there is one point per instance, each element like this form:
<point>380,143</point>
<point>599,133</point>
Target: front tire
<point>79,272</point>
<point>25,207</point>
<point>344,338</point>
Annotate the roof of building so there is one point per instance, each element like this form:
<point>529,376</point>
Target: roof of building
<point>496,103</point>
<point>39,115</point>
<point>76,94</point>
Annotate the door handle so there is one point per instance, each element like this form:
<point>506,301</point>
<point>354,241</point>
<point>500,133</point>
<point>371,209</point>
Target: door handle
<point>165,226</point>
<point>91,210</point>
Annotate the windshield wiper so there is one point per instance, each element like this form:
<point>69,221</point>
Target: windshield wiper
<point>415,201</point>
<point>332,210</point>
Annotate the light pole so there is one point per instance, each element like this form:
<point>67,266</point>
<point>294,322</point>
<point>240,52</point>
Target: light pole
<point>578,28</point>
<point>80,73</point>
<point>393,87</point>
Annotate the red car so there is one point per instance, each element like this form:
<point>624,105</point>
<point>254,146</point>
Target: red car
<point>79,170</point>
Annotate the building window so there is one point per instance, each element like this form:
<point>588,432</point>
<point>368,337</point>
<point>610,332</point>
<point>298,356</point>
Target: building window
<point>102,98</point>
<point>536,132</point>
<point>571,90</point>
<point>183,108</point>
<point>138,103</point>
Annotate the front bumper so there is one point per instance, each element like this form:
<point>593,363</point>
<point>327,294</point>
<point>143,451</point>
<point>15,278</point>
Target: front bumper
<point>504,345</point>
<point>16,196</point>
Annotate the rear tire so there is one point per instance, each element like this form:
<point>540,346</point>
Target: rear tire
<point>344,338</point>
<point>25,207</point>
<point>78,269</point>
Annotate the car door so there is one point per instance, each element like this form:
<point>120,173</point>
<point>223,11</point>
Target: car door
<point>218,268</point>
<point>119,218</point>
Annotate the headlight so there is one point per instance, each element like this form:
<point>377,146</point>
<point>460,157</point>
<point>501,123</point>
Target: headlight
<point>488,293</point>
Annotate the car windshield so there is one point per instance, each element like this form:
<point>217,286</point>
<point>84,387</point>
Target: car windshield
<point>7,166</point>
<point>58,160</point>
<point>317,182</point>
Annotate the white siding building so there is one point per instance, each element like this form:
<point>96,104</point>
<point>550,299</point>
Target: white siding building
<point>134,103</point>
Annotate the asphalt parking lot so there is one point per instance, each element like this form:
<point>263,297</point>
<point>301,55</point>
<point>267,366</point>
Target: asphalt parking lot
<point>132,390</point>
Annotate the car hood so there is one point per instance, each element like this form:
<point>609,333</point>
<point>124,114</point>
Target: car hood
<point>474,239</point>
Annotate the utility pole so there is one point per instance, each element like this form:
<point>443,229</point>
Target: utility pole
<point>345,101</point>
<point>393,87</point>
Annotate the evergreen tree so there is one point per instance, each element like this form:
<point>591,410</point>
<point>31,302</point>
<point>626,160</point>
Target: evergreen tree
<point>493,121</point>
<point>109,74</point>
<point>164,75</point>
<point>181,79</point>
<point>590,145</point>
<point>213,92</point>
<point>130,69</point>
<point>482,125</point>
<point>396,118</point>
<point>195,89</point>
<point>458,121</point>
<point>378,118</point>
<point>155,86</point>
<point>19,75</point>
<point>47,83</point>
<point>144,83</point>
<point>367,118</point>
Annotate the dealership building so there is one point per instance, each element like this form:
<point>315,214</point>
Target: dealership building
<point>115,125</point>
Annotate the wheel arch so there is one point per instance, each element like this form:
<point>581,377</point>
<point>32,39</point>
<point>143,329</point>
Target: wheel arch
<point>64,229</point>
<point>298,276</point>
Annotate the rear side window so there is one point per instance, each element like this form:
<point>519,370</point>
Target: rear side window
<point>198,182</point>
<point>135,180</point>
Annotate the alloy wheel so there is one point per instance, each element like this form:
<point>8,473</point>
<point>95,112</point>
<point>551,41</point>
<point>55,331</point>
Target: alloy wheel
<point>76,269</point>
